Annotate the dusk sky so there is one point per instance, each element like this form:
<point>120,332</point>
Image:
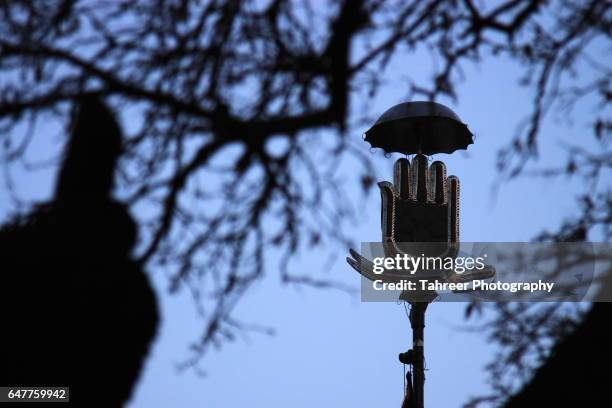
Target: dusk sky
<point>330,349</point>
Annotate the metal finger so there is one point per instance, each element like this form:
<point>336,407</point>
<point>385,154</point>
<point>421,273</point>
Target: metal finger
<point>419,177</point>
<point>437,183</point>
<point>356,266</point>
<point>386,215</point>
<point>453,208</point>
<point>362,265</point>
<point>363,261</point>
<point>401,178</point>
<point>368,273</point>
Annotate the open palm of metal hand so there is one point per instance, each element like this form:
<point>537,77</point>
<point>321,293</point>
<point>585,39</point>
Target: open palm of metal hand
<point>422,206</point>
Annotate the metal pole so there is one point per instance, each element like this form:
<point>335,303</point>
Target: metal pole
<point>417,321</point>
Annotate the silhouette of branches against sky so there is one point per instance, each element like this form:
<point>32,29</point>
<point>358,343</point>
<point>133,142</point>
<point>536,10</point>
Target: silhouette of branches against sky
<point>240,111</point>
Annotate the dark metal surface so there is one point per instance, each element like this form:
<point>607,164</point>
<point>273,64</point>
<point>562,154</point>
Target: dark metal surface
<point>419,127</point>
<point>417,321</point>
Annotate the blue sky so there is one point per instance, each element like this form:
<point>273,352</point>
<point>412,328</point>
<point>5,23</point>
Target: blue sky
<point>330,349</point>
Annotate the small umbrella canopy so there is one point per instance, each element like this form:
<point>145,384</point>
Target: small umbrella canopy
<point>419,127</point>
